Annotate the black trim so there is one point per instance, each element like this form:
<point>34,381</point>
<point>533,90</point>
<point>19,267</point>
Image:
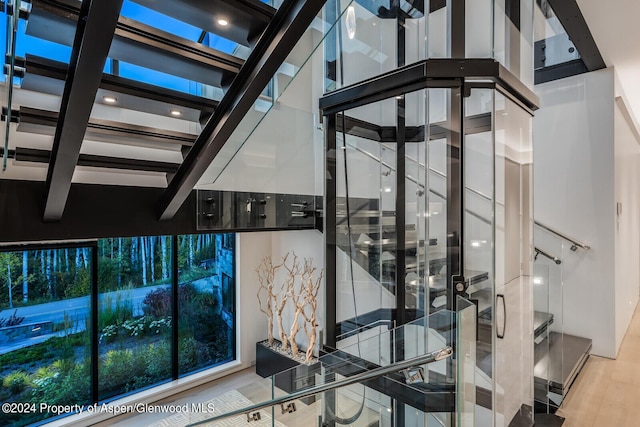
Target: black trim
<point>360,128</point>
<point>33,120</point>
<point>330,235</point>
<point>102,211</point>
<point>457,27</point>
<point>90,48</point>
<point>455,193</point>
<point>95,339</point>
<point>46,75</point>
<point>175,306</point>
<point>440,73</point>
<point>140,44</point>
<point>286,28</point>
<point>560,71</point>
<point>571,18</point>
<point>22,154</point>
<point>247,18</point>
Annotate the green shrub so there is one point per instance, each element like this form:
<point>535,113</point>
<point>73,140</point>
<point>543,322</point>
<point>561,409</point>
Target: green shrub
<point>16,381</point>
<point>115,312</point>
<point>62,383</point>
<point>127,370</point>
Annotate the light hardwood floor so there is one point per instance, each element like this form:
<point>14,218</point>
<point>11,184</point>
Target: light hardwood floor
<point>607,392</point>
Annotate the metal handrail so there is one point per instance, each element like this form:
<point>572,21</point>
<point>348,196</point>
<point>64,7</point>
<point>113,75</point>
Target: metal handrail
<point>443,353</point>
<point>574,243</point>
<point>546,255</point>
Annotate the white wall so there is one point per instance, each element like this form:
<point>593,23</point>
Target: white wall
<point>574,192</point>
<point>627,192</point>
<point>252,248</point>
<point>587,185</point>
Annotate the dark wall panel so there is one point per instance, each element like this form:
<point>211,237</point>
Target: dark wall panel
<point>92,211</point>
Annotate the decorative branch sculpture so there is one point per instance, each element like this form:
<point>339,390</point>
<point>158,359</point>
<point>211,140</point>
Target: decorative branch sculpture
<point>286,291</point>
<point>310,288</point>
<point>303,296</point>
<point>266,276</point>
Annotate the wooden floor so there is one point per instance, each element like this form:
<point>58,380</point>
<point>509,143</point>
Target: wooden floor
<point>607,392</point>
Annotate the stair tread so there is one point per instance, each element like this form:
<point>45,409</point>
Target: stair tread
<point>559,358</point>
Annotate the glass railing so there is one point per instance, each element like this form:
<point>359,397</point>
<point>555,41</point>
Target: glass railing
<point>333,397</point>
<point>553,45</point>
<point>549,314</point>
<point>559,355</point>
<point>404,369</point>
<point>279,134</point>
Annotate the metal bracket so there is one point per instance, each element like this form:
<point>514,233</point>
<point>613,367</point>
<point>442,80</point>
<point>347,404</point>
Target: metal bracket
<point>414,375</point>
<point>289,409</point>
<point>253,417</point>
<point>460,284</point>
<point>15,115</point>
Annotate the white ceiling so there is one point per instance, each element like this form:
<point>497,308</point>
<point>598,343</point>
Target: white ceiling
<point>615,26</point>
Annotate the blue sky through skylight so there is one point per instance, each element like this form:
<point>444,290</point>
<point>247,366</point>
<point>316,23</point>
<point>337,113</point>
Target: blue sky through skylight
<point>32,45</point>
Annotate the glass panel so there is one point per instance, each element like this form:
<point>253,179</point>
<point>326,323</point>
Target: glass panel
<point>513,363</point>
<point>548,299</point>
<point>367,243</point>
<point>478,28</point>
<point>376,37</point>
<point>466,327</point>
<point>45,343</point>
<point>552,43</point>
<point>412,111</point>
<point>134,317</point>
<point>478,218</point>
<point>264,144</point>
<point>438,39</point>
<point>206,301</point>
<point>436,183</point>
<point>513,37</point>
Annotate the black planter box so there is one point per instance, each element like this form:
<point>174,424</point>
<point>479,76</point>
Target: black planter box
<point>297,376</point>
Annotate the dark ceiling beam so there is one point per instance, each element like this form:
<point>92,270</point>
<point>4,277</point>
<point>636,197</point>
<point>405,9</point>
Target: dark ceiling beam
<point>247,18</point>
<point>46,75</point>
<point>280,37</point>
<point>560,71</point>
<point>33,155</point>
<point>96,26</point>
<point>43,122</point>
<point>139,44</point>
<point>571,18</point>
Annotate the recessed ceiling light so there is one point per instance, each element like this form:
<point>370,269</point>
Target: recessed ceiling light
<point>176,113</point>
<point>110,99</point>
<point>223,22</point>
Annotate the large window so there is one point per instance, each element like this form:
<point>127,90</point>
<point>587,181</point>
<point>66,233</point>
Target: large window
<point>134,313</point>
<point>45,316</point>
<point>205,301</point>
<point>164,308</point>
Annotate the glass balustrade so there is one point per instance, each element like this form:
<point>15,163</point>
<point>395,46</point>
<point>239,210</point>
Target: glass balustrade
<point>419,391</point>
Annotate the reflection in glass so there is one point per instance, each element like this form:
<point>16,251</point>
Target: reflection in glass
<point>44,330</point>
<point>134,313</point>
<point>206,293</point>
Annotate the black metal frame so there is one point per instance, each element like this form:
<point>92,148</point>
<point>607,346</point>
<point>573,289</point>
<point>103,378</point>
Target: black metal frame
<point>94,295</point>
<point>459,75</point>
<point>428,73</point>
<point>96,26</point>
<point>44,122</point>
<point>46,75</point>
<point>571,18</point>
<point>287,26</point>
<point>329,227</point>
